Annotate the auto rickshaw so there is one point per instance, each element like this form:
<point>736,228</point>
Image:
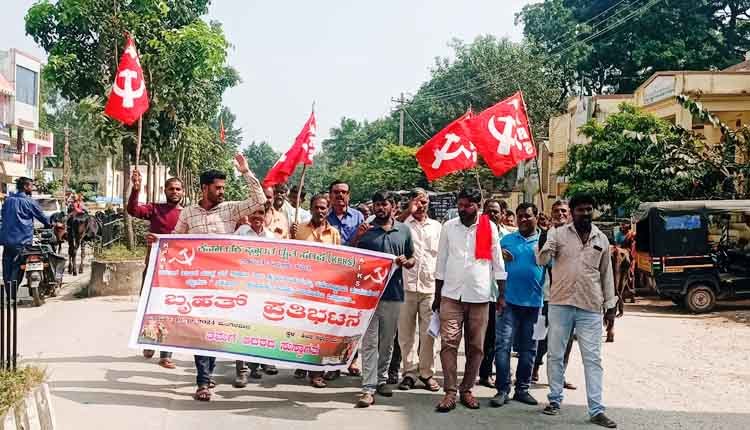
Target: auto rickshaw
<point>694,252</point>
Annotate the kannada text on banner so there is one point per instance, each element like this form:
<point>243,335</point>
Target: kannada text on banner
<point>289,303</point>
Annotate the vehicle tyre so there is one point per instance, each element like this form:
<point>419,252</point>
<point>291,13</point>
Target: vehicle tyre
<point>36,296</point>
<point>700,298</point>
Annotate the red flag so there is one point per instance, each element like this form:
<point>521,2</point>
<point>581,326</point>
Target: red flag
<point>129,98</point>
<point>502,135</point>
<point>301,152</point>
<point>222,135</point>
<point>449,150</point>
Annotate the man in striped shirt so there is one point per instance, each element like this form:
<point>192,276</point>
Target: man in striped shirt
<point>212,215</point>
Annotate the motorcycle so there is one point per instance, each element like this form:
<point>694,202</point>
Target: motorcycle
<point>43,268</point>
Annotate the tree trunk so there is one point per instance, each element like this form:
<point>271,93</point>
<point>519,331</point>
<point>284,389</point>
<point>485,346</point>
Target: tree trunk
<point>129,234</point>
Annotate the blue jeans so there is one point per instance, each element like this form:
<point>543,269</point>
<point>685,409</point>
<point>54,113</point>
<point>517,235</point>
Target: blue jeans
<point>205,368</point>
<point>11,265</point>
<point>515,323</point>
<point>589,331</point>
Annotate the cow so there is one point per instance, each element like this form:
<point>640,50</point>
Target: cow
<point>58,221</point>
<point>82,228</point>
<point>623,277</point>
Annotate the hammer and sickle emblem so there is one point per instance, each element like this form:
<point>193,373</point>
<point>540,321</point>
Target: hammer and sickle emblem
<point>187,260</point>
<point>128,93</point>
<point>444,153</point>
<point>377,275</point>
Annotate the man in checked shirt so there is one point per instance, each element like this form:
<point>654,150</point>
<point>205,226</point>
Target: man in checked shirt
<point>212,215</point>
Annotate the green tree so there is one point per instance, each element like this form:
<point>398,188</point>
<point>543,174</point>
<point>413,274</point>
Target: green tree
<point>595,47</point>
<point>482,73</point>
<point>623,163</point>
<point>261,157</point>
<point>183,57</point>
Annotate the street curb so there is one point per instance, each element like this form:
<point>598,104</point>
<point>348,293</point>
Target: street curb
<point>34,412</point>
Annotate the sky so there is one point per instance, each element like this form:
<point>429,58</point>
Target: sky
<point>350,57</point>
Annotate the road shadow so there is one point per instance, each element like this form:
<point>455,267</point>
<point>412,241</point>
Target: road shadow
<point>286,404</point>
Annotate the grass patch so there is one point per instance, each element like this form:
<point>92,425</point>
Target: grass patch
<point>120,252</point>
<point>14,386</point>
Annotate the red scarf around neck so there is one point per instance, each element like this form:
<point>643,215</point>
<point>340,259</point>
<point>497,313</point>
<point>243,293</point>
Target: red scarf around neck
<point>483,246</point>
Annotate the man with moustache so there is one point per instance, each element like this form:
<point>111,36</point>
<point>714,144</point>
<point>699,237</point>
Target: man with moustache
<point>523,299</point>
<point>276,219</point>
<point>162,219</point>
<point>419,287</point>
<point>303,215</point>
<point>212,215</point>
<point>468,261</point>
<point>316,230</point>
<point>582,286</point>
<point>387,235</point>
<point>342,217</point>
<point>560,217</point>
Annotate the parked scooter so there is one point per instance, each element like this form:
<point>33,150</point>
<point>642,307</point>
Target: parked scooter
<point>43,268</point>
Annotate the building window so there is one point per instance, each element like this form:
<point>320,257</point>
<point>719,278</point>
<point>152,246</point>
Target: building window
<point>26,85</point>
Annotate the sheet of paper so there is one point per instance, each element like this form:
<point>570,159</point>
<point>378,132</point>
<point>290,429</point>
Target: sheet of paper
<point>434,328</point>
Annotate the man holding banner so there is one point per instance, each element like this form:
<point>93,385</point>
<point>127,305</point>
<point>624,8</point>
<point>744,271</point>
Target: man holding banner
<point>386,235</point>
<point>212,215</point>
<point>317,230</point>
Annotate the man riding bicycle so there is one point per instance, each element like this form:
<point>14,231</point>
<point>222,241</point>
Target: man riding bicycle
<point>17,231</point>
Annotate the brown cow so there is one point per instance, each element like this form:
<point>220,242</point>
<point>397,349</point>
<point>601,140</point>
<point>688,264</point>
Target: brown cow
<point>621,265</point>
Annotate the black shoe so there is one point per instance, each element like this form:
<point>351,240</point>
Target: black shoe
<point>300,374</point>
<point>392,378</point>
<point>552,409</point>
<point>407,384</point>
<point>240,381</point>
<point>499,400</point>
<point>385,390</point>
<point>270,370</point>
<point>525,397</point>
<point>601,420</point>
<point>255,374</point>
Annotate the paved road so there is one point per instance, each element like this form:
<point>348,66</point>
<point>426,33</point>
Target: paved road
<point>666,371</point>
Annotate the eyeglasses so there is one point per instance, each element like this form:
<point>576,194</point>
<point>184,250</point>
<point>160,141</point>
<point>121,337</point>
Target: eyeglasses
<point>344,192</point>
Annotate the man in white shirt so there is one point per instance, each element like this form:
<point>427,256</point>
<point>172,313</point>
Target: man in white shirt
<point>253,226</point>
<point>303,215</point>
<point>419,290</point>
<point>469,258</point>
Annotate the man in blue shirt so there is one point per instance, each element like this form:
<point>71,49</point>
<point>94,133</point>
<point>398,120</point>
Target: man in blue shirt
<point>518,308</point>
<point>343,218</point>
<point>17,231</point>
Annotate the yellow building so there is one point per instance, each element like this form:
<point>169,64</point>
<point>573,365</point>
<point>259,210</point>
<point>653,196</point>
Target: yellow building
<point>563,133</point>
<point>725,93</point>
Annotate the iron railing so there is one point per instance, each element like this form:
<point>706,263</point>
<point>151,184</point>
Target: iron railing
<point>8,325</point>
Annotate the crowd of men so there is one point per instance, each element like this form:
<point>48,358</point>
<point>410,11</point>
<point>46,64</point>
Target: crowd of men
<point>491,274</point>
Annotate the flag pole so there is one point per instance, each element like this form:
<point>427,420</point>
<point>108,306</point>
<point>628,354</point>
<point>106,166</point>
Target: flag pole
<point>138,142</point>
<point>536,159</point>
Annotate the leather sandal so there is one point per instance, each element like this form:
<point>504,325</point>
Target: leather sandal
<point>430,384</point>
<point>167,363</point>
<point>447,404</point>
<point>468,400</point>
<point>203,394</point>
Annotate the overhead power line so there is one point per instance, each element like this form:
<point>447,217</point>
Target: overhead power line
<point>569,33</point>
